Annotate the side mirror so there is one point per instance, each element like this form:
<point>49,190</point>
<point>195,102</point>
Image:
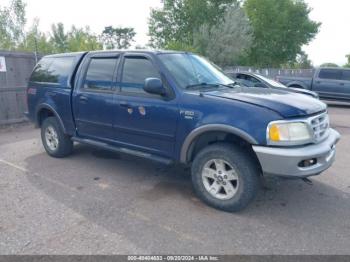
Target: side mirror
<point>154,86</point>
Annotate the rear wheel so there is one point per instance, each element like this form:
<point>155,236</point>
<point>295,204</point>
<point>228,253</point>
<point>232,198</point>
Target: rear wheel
<point>225,177</point>
<point>56,143</point>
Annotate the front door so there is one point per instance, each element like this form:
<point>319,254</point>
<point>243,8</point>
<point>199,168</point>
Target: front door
<point>144,122</point>
<point>94,101</point>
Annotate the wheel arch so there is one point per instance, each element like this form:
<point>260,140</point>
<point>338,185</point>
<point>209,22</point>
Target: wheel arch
<point>211,131</point>
<point>297,84</point>
<point>45,110</point>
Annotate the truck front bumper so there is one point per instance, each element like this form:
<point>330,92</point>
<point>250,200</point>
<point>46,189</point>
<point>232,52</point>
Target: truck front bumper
<point>288,161</point>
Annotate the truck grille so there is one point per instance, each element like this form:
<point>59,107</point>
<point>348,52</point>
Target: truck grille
<point>320,126</point>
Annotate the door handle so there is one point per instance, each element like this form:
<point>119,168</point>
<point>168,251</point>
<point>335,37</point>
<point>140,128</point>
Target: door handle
<point>341,84</point>
<point>83,98</point>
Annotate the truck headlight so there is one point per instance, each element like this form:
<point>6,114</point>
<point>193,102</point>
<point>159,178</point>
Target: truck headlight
<point>288,133</point>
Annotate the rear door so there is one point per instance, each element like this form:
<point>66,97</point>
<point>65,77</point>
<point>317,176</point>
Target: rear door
<point>329,83</point>
<point>94,99</point>
<point>143,121</point>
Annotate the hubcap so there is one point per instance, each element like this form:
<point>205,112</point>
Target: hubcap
<point>51,138</point>
<point>220,179</point>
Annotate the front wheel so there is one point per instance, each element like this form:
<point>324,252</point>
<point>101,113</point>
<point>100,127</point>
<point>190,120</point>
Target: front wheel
<point>225,177</point>
<point>56,143</point>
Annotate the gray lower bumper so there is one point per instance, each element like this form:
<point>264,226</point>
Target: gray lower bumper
<point>285,161</point>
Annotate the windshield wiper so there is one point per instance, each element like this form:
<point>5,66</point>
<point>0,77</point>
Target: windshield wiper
<point>202,85</point>
<point>230,85</point>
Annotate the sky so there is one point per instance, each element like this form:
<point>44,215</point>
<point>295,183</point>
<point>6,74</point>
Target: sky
<point>331,44</point>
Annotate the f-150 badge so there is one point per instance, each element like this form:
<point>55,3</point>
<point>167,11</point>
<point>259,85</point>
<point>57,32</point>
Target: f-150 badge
<point>187,114</point>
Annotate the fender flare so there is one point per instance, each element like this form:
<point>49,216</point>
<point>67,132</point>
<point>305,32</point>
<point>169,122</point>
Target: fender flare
<point>212,127</point>
<point>48,107</point>
<point>297,83</point>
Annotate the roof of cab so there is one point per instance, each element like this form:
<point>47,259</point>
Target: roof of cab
<point>147,51</point>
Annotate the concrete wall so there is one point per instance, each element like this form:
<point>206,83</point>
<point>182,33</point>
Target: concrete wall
<point>13,82</point>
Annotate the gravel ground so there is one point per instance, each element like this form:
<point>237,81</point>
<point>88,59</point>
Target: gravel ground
<point>97,202</point>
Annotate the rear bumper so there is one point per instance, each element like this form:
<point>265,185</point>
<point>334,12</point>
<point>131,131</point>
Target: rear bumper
<point>285,161</point>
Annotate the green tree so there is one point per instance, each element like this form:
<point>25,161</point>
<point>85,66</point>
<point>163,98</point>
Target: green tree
<point>175,23</point>
<point>82,39</point>
<point>302,62</point>
<point>225,42</point>
<point>180,46</point>
<point>12,22</point>
<point>59,38</point>
<point>348,63</point>
<point>281,28</point>
<point>118,38</point>
<point>36,41</point>
<point>74,40</point>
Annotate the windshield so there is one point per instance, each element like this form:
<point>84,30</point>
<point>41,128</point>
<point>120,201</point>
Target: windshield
<point>194,71</point>
<point>272,82</point>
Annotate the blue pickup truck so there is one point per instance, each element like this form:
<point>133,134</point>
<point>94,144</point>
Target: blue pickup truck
<point>176,107</point>
<point>329,83</point>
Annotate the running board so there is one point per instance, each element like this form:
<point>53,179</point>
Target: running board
<point>124,150</point>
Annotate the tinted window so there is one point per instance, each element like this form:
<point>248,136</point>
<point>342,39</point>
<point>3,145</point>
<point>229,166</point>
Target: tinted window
<point>53,70</point>
<point>346,75</point>
<point>135,72</point>
<point>252,79</point>
<point>99,75</point>
<point>330,74</point>
<point>189,70</point>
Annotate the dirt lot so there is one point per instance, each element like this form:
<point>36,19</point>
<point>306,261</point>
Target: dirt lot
<point>96,202</point>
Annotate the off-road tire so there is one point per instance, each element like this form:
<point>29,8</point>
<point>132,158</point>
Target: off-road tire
<point>65,144</point>
<point>246,168</point>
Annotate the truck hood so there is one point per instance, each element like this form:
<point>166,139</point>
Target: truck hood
<point>285,103</point>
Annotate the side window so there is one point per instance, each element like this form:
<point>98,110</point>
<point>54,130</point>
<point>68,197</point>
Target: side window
<point>252,79</point>
<point>55,70</point>
<point>334,74</point>
<point>99,76</point>
<point>135,71</point>
<point>41,71</point>
<point>346,75</point>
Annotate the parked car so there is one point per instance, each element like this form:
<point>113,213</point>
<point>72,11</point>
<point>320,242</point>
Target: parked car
<point>329,83</point>
<point>257,80</point>
<point>176,107</point>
